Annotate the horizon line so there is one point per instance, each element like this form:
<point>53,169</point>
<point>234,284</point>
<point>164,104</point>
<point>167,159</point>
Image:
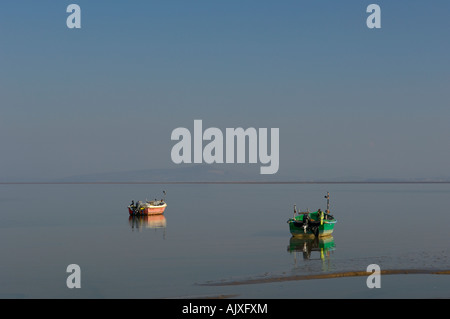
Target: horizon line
<point>224,182</point>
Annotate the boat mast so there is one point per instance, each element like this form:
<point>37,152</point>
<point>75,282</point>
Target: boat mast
<point>328,202</point>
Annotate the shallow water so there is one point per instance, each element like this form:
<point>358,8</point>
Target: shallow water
<point>219,233</point>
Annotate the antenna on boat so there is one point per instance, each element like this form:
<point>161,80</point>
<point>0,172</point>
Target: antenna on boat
<point>328,202</point>
<point>295,210</point>
<point>164,198</point>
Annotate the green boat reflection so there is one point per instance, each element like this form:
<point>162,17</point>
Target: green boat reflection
<point>307,246</point>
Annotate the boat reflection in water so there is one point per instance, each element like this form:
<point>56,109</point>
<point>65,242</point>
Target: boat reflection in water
<point>148,221</point>
<point>324,246</point>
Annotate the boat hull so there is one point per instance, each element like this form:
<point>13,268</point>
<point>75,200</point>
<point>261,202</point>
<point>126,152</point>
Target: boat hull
<point>148,210</point>
<point>325,229</point>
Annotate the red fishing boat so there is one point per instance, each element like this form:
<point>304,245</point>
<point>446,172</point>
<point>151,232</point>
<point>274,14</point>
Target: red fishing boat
<point>154,207</point>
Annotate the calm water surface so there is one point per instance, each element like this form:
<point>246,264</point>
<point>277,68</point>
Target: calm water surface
<point>219,233</point>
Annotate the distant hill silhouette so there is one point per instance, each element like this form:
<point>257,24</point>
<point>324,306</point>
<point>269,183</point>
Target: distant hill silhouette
<point>221,173</point>
<point>215,173</point>
<point>196,173</point>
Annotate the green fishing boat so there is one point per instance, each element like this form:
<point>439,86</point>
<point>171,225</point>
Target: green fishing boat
<point>312,224</point>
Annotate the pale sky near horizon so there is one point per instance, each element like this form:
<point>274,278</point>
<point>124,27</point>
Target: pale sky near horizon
<point>348,100</point>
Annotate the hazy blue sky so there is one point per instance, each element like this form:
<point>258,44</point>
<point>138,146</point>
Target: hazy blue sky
<point>349,101</point>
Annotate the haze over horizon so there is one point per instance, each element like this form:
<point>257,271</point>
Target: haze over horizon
<point>200,173</point>
<point>349,101</point>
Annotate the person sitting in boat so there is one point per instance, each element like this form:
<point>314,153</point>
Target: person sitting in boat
<point>305,218</point>
<point>320,216</point>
